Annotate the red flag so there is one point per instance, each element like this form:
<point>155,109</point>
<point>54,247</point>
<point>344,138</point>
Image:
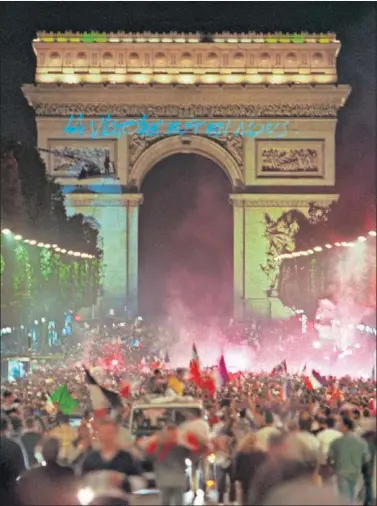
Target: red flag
<point>195,366</point>
<point>125,390</point>
<point>208,383</point>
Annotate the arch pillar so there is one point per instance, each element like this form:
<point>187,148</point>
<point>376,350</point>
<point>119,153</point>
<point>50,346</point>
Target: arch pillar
<point>118,219</point>
<point>252,294</point>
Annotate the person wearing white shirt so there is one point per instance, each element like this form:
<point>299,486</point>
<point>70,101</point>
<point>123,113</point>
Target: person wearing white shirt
<point>304,434</point>
<point>265,433</point>
<point>326,437</point>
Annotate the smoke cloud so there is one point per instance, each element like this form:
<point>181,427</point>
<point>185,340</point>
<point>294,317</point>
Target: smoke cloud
<point>186,248</point>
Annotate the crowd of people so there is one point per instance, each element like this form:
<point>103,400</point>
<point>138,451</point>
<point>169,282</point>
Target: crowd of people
<point>270,444</point>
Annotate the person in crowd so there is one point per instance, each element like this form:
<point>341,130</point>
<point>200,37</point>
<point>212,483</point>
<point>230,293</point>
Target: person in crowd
<point>84,443</point>
<point>248,459</point>
<point>67,436</point>
<point>106,165</point>
<point>170,466</point>
<point>318,425</point>
<point>305,424</point>
<point>277,444</point>
<point>6,402</point>
<point>29,439</point>
<point>225,461</point>
<point>298,465</point>
<point>109,456</point>
<point>111,498</point>
<point>325,439</point>
<point>157,383</point>
<point>176,383</point>
<point>12,462</point>
<point>369,468</point>
<point>50,483</point>
<point>269,429</point>
<point>348,455</point>
<point>366,423</point>
<point>302,493</point>
<point>220,424</point>
<point>293,427</point>
<point>243,425</point>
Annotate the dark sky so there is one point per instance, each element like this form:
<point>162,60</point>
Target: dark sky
<point>353,22</point>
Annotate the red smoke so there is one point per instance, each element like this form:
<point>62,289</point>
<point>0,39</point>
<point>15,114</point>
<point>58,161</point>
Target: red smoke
<point>193,252</point>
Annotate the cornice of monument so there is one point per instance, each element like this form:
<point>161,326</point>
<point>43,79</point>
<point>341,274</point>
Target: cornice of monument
<point>142,58</point>
<point>187,101</point>
<point>78,199</point>
<point>180,37</point>
<point>293,201</point>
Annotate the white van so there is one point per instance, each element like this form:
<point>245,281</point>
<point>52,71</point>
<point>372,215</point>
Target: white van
<point>149,416</point>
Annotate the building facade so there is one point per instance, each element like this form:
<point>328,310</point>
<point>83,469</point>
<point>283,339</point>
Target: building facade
<point>109,107</point>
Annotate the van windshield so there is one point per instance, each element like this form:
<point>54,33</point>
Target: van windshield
<point>145,421</point>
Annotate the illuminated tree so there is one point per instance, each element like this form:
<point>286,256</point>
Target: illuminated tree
<point>35,281</point>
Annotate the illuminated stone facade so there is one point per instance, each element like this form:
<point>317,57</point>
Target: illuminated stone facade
<point>286,79</point>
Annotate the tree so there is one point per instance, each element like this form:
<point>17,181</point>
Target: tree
<point>346,219</point>
<point>31,196</point>
<point>12,201</point>
<point>41,280</point>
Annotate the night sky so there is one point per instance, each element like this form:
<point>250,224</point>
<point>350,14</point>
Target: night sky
<point>176,254</point>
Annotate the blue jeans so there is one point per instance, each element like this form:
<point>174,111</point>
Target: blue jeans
<point>347,487</point>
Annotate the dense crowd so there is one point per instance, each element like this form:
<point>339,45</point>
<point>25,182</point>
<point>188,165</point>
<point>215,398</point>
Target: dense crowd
<point>269,442</point>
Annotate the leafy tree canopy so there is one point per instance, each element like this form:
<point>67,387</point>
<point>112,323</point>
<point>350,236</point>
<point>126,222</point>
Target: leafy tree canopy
<point>33,203</point>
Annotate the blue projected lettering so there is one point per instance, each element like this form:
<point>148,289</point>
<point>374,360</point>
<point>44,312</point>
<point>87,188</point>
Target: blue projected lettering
<point>108,127</point>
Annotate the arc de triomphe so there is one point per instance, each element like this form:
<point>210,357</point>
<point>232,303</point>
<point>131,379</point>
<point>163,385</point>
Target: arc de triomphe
<point>267,105</point>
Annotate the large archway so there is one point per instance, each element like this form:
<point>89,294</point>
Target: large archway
<point>186,240</point>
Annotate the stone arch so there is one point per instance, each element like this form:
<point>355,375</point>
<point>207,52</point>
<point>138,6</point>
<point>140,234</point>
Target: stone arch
<point>185,145</point>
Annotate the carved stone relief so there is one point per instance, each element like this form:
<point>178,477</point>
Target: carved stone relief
<point>198,111</point>
<point>281,239</point>
<point>137,144</point>
<point>234,145</point>
<point>289,160</point>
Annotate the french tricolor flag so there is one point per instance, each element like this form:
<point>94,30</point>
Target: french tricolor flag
<point>285,391</point>
<point>315,381</point>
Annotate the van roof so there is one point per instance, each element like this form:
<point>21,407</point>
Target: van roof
<point>172,402</point>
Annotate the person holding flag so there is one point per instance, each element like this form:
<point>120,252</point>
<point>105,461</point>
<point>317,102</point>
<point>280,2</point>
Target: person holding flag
<point>195,366</point>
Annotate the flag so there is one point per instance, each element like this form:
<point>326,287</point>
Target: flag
<point>125,389</point>
<point>103,400</point>
<point>335,392</point>
<point>194,366</point>
<point>303,372</point>
<point>223,371</point>
<point>176,386</point>
<point>314,381</point>
<point>280,368</point>
<point>64,401</point>
<point>285,391</point>
<point>208,383</point>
